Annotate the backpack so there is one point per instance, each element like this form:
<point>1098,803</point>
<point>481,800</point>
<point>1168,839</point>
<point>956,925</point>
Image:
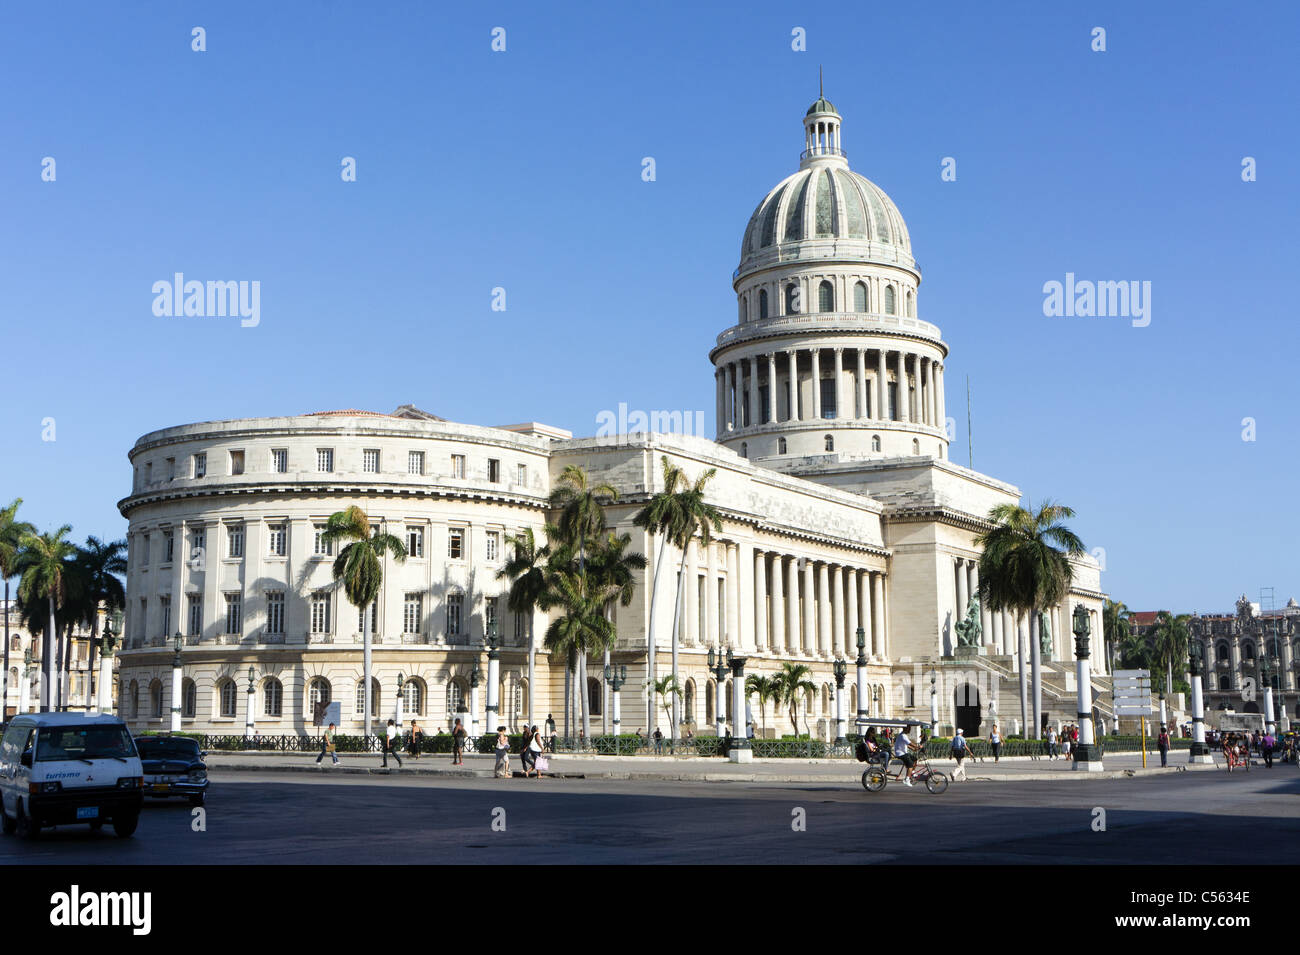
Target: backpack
<point>861,751</point>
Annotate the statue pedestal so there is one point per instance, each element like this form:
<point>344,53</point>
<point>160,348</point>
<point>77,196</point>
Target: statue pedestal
<point>961,652</point>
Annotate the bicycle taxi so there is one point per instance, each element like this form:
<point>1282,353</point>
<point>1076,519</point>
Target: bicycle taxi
<point>883,766</point>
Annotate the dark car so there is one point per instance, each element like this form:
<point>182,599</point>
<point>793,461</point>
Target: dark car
<point>173,766</point>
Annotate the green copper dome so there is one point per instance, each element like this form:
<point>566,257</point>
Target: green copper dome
<point>823,105</point>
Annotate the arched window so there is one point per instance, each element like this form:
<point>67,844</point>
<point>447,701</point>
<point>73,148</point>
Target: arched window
<point>911,304</point>
<point>595,697</point>
<point>744,449</point>
<point>189,699</point>
<point>889,300</point>
<point>791,299</point>
<point>830,442</point>
<point>1225,683</point>
<point>1221,652</point>
<point>359,708</point>
<point>455,700</point>
<point>318,691</point>
<point>1248,651</point>
<point>155,699</point>
<point>762,303</point>
<point>875,442</point>
<point>135,700</point>
<point>16,645</point>
<point>825,297</point>
<point>860,297</point>
<point>229,693</point>
<point>413,697</point>
<point>710,694</point>
<point>916,446</point>
<point>780,446</point>
<point>272,697</point>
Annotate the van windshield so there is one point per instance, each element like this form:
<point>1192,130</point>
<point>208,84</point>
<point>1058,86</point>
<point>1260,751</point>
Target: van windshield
<point>83,742</point>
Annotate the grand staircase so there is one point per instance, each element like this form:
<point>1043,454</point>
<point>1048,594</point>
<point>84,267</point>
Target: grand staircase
<point>1059,696</point>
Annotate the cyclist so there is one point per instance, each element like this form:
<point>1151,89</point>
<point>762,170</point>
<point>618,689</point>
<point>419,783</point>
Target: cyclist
<point>903,753</point>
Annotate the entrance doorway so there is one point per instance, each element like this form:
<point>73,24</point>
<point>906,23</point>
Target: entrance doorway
<point>966,703</point>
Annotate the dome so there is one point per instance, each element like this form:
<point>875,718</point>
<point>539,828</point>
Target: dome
<point>825,200</point>
<point>823,105</point>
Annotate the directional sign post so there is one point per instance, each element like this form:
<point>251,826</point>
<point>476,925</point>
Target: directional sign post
<point>1132,689</point>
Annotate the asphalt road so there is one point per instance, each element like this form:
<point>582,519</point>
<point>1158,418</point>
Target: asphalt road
<point>1196,818</point>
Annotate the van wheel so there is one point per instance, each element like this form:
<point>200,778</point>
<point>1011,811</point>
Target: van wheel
<point>26,827</point>
<point>124,826</point>
<point>7,824</point>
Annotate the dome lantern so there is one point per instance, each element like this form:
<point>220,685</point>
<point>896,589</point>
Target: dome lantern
<point>821,125</point>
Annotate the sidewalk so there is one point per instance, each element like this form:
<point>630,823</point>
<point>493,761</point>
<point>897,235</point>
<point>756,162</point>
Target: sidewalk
<point>694,768</point>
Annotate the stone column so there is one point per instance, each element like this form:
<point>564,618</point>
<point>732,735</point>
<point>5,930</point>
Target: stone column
<point>690,627</point>
<point>837,611</point>
<point>934,395</point>
<point>808,642</point>
<point>854,621</point>
<point>816,383</point>
<point>823,611</point>
<point>711,595</point>
<point>1087,757</point>
<point>778,604</point>
<point>922,387</point>
<point>997,632</point>
<point>943,406</point>
<point>864,612</point>
<point>771,387</point>
<point>963,595</point>
<point>760,599</point>
<point>792,385</point>
<point>746,627</point>
<point>877,616</point>
<point>729,396</point>
<point>733,595</point>
<point>792,641</point>
<point>862,385</point>
<point>1200,753</point>
<point>720,408</point>
<point>839,386</point>
<point>752,364</point>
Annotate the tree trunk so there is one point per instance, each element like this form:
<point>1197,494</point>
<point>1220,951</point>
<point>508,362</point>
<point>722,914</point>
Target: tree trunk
<point>365,666</point>
<point>532,671</point>
<point>677,613</point>
<point>90,656</point>
<point>1020,663</point>
<point>47,662</point>
<point>4,693</point>
<point>650,674</point>
<point>584,697</point>
<point>1035,656</point>
<point>568,696</point>
<point>604,696</point>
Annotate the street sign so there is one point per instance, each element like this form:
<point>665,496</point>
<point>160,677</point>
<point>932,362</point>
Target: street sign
<point>1135,674</point>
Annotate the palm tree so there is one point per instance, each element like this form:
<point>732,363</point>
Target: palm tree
<point>581,624</point>
<point>665,687</point>
<point>581,518</point>
<point>43,564</point>
<point>1115,626</point>
<point>98,566</point>
<point>679,515</point>
<point>359,566</point>
<point>765,688</point>
<point>613,571</point>
<point>660,516</point>
<point>1025,567</point>
<point>1170,637</point>
<point>12,531</point>
<point>526,571</point>
<point>793,683</point>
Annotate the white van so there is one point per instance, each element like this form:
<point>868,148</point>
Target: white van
<point>63,768</point>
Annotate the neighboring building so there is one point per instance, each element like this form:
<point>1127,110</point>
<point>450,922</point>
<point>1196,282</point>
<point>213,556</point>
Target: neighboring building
<point>841,511</point>
<point>1233,648</point>
<point>20,639</point>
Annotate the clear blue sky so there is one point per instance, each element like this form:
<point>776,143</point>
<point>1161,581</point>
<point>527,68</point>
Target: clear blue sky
<point>522,170</point>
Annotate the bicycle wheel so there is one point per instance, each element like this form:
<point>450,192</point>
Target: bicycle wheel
<point>936,783</point>
<point>874,780</point>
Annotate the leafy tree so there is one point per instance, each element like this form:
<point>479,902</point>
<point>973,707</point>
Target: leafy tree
<point>766,688</point>
<point>12,531</point>
<point>667,690</point>
<point>526,571</point>
<point>793,684</point>
<point>43,566</point>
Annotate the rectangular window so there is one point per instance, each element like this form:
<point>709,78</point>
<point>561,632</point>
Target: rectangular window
<point>196,614</point>
<point>198,542</point>
<point>414,542</point>
<point>322,547</point>
<point>374,619</point>
<point>168,546</point>
<point>412,613</point>
<point>200,465</point>
<point>280,460</point>
<point>141,630</point>
<point>829,408</point>
<point>275,537</point>
<point>275,611</point>
<point>494,470</point>
<point>165,604</point>
<point>325,459</point>
<point>454,603</point>
<point>415,462</point>
<point>148,473</point>
<point>234,540</point>
<point>493,545</point>
<point>320,612</point>
<point>458,465</point>
<point>521,474</point>
<point>370,460</point>
<point>234,615</point>
<point>236,462</point>
<point>171,469</point>
<point>456,543</point>
<point>145,558</point>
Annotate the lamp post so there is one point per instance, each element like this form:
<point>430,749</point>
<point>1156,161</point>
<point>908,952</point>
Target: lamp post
<point>25,685</point>
<point>875,699</point>
<point>1200,753</point>
<point>475,677</point>
<point>934,700</point>
<point>1266,670</point>
<point>718,666</point>
<point>178,642</point>
<point>616,676</point>
<point>840,669</point>
<point>106,669</point>
<point>493,679</point>
<point>861,664</point>
<point>741,751</point>
<point>252,689</point>
<point>1164,710</point>
<point>397,713</point>
<point>1087,756</point>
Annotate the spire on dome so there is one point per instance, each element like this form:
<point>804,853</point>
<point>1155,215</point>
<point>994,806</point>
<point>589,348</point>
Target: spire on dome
<point>821,128</point>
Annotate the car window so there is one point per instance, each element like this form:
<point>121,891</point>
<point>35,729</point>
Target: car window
<point>152,748</point>
<point>83,742</point>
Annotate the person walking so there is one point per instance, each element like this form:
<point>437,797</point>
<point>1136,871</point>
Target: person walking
<point>417,737</point>
<point>458,744</point>
<point>503,753</point>
<point>1162,744</point>
<point>659,742</point>
<point>959,752</point>
<point>525,751</point>
<point>327,746</point>
<point>390,745</point>
<point>534,754</point>
<point>1051,742</point>
<point>995,740</point>
<point>1266,749</point>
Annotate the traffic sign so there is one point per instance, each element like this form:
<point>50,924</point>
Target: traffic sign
<point>1125,674</point>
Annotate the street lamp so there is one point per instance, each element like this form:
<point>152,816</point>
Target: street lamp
<point>1087,756</point>
<point>178,642</point>
<point>106,667</point>
<point>861,664</point>
<point>25,688</point>
<point>718,667</point>
<point>493,679</point>
<point>248,725</point>
<point>1200,753</point>
<point>840,669</point>
<point>398,712</point>
<point>616,676</point>
<point>741,751</point>
<point>934,700</point>
<point>475,678</point>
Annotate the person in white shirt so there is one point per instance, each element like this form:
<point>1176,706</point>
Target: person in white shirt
<point>390,745</point>
<point>903,747</point>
